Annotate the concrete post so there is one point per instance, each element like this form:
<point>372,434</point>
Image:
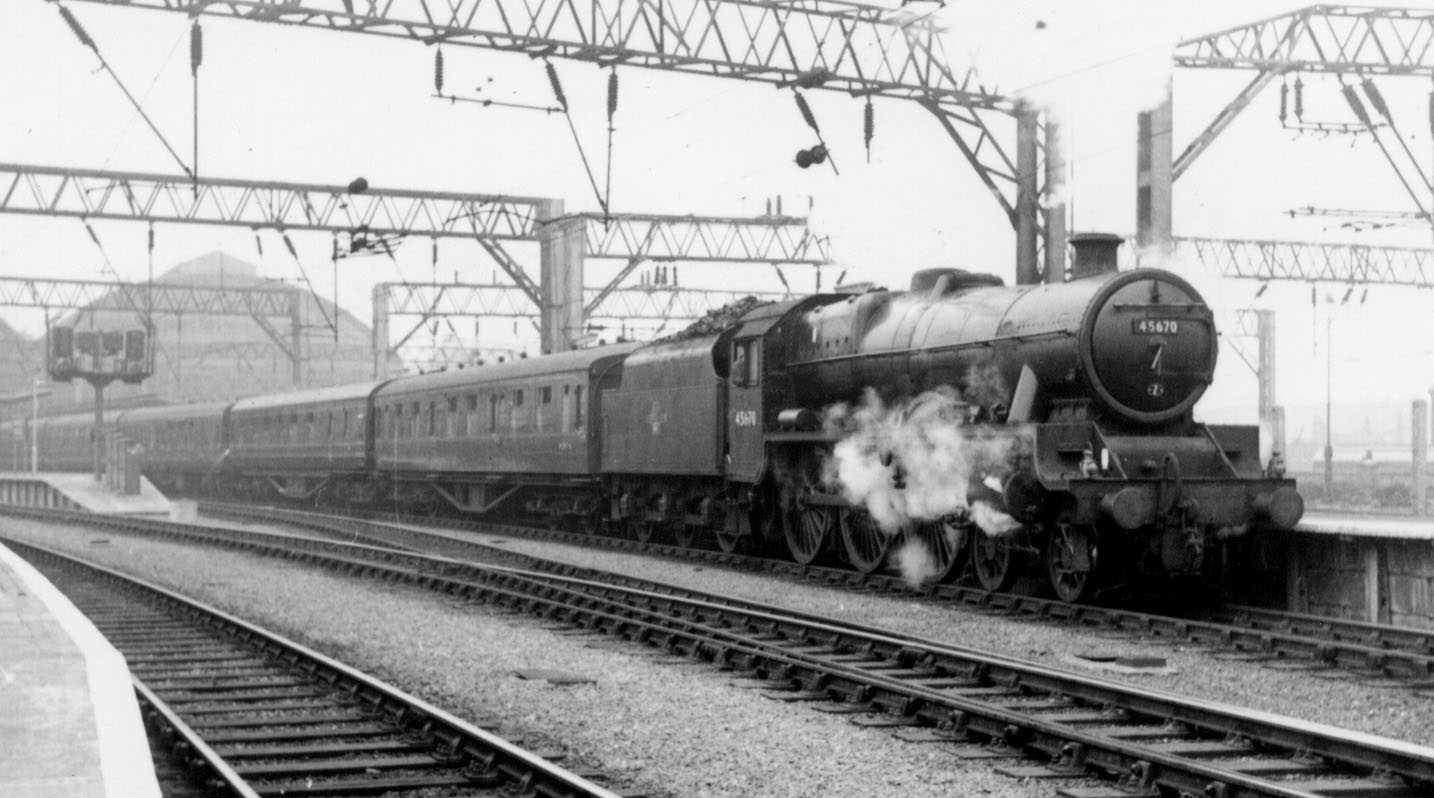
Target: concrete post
<point>1431,415</point>
<point>97,434</point>
<point>562,249</point>
<point>1053,199</point>
<point>378,333</point>
<point>1154,178</point>
<point>1027,194</point>
<point>1265,361</point>
<point>1277,433</point>
<point>296,338</point>
<point>1419,433</point>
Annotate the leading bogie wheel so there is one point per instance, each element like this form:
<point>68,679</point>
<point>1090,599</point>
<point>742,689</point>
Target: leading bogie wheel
<point>1072,555</point>
<point>806,528</point>
<point>993,558</point>
<point>863,539</point>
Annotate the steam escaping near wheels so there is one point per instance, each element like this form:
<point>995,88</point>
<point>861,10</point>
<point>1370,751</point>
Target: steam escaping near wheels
<point>915,461</point>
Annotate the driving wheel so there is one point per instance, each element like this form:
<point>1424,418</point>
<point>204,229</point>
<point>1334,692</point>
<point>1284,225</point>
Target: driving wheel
<point>806,528</point>
<point>863,540</point>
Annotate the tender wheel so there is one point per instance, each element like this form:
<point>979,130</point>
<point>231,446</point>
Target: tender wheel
<point>994,560</point>
<point>943,544</point>
<point>685,535</point>
<point>735,535</point>
<point>806,529</point>
<point>639,529</point>
<point>1071,559</point>
<point>863,540</point>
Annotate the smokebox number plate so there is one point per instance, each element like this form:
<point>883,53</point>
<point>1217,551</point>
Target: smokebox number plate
<point>1155,326</point>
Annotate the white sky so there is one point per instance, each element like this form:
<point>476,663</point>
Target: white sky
<point>301,105</point>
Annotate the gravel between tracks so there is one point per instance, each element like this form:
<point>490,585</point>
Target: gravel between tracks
<point>665,729</point>
<point>1335,698</point>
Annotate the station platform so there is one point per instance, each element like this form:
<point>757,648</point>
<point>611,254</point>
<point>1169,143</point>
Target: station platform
<point>1373,525</point>
<point>69,723</point>
<point>78,492</point>
<point>1375,567</point>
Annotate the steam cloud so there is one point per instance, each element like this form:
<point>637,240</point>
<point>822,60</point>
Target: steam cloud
<point>909,462</point>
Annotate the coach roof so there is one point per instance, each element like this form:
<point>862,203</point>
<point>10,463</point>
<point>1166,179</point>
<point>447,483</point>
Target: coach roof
<point>561,363</point>
<point>313,396</point>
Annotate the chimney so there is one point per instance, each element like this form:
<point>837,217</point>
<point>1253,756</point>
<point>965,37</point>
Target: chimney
<point>1094,254</point>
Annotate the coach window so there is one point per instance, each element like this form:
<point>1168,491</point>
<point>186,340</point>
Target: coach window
<point>357,433</point>
<point>578,409</point>
<point>415,420</point>
<point>493,413</point>
<point>471,427</point>
<point>431,426</point>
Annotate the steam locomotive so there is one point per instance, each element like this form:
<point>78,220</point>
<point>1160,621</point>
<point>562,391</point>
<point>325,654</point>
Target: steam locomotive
<point>1062,444</point>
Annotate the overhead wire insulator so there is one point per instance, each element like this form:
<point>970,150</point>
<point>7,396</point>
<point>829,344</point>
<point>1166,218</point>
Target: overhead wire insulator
<point>558,92</point>
<point>258,242</point>
<point>868,126</point>
<point>78,29</point>
<point>93,235</point>
<point>806,110</point>
<point>611,95</point>
<point>196,47</point>
<point>1284,102</point>
<point>438,70</point>
<point>289,245</point>
<point>1376,99</point>
<point>1352,97</point>
<point>1299,99</point>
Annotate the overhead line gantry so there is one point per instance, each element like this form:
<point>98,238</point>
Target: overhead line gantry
<point>854,48</point>
<point>359,211</point>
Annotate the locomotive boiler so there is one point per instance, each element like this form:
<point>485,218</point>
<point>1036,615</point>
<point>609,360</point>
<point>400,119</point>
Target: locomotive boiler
<point>1075,407</point>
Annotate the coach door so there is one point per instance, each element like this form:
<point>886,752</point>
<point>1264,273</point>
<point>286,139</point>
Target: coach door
<point>744,409</point>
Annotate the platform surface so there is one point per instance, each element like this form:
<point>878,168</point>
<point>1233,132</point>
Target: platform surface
<point>83,490</point>
<point>69,723</point>
<point>1396,527</point>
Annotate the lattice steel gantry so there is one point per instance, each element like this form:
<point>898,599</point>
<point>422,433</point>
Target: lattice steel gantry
<point>565,241</point>
<point>858,49</point>
<point>1359,42</point>
<point>427,301</point>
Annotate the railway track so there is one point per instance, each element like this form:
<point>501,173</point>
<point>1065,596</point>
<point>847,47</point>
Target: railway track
<point>1365,649</point>
<point>1140,742</point>
<point>251,713</point>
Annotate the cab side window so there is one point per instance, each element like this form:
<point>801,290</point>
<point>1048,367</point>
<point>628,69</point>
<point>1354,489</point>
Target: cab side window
<point>746,362</point>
